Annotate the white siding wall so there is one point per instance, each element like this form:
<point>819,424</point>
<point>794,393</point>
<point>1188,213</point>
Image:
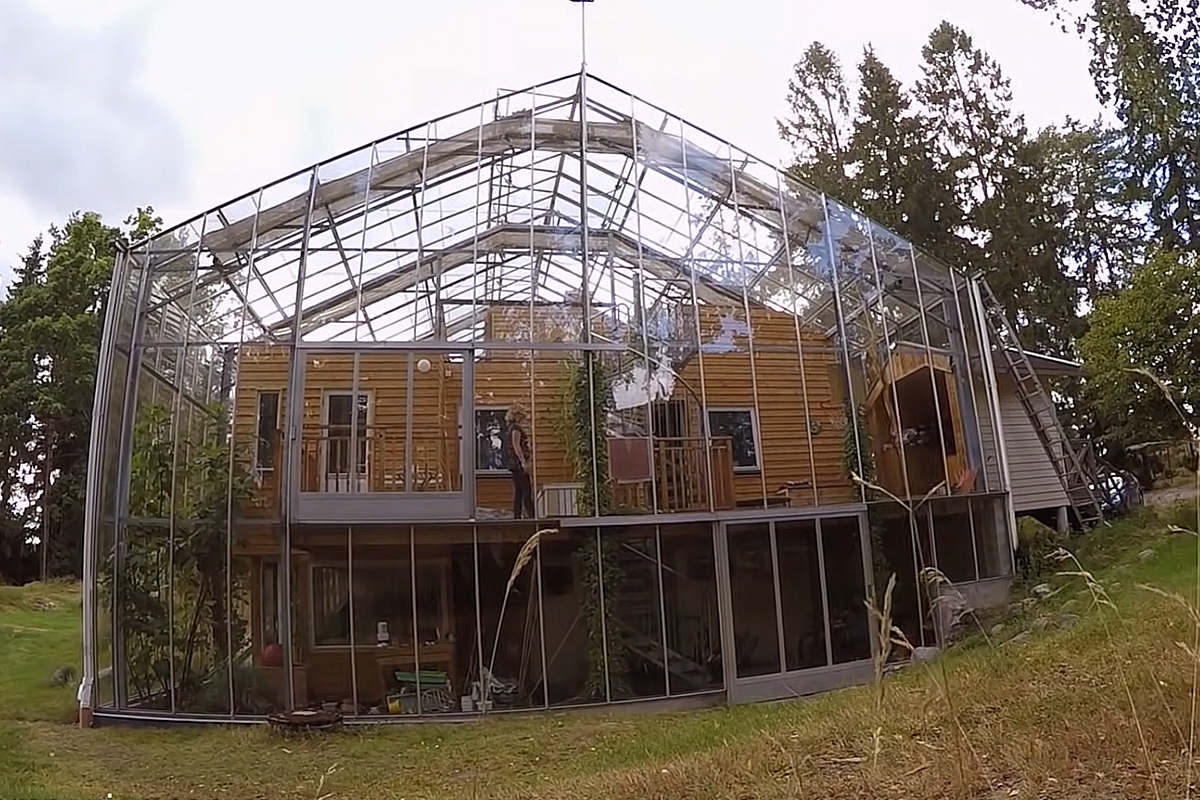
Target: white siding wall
<point>1034,483</point>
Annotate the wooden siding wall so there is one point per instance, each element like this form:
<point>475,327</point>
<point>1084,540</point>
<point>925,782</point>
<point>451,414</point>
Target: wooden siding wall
<point>505,377</point>
<point>1035,484</point>
<point>777,371</point>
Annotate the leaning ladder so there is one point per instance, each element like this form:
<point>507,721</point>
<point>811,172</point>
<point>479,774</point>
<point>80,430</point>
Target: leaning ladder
<point>1041,412</point>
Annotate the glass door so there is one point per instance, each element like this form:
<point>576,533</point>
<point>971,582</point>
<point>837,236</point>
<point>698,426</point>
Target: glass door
<point>796,619</point>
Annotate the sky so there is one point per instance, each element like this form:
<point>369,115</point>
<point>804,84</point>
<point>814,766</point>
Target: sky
<point>106,105</point>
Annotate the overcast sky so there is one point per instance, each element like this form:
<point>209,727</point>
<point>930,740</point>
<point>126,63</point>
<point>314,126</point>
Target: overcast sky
<point>110,104</point>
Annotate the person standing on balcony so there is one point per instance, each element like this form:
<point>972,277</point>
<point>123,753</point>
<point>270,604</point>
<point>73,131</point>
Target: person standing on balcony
<point>518,463</point>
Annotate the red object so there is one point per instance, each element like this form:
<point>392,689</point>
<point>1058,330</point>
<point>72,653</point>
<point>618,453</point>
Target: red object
<point>272,656</point>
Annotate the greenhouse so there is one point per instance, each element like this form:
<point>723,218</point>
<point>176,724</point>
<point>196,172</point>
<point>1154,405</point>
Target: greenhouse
<point>558,400</point>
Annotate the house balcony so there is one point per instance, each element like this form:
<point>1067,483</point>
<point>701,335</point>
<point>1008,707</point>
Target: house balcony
<point>385,474</point>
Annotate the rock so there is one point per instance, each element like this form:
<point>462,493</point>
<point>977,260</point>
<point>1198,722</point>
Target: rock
<point>1041,623</point>
<point>1042,590</point>
<point>1068,620</point>
<point>1028,603</point>
<point>997,629</point>
<point>1023,636</point>
<point>921,655</point>
<point>1146,554</point>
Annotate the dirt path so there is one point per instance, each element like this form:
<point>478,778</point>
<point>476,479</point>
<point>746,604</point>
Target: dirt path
<point>1170,495</point>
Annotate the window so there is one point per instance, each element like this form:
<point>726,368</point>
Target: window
<point>490,429</point>
<point>268,424</point>
<point>270,603</point>
<point>382,594</point>
<point>343,426</point>
<point>738,425</point>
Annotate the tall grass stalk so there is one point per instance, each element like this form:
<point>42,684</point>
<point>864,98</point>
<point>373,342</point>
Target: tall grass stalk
<point>528,550</point>
<point>1102,600</point>
<point>1193,430</point>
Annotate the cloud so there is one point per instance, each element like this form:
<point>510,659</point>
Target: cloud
<point>76,131</point>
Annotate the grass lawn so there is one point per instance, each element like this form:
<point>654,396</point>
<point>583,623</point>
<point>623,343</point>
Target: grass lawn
<point>1096,707</point>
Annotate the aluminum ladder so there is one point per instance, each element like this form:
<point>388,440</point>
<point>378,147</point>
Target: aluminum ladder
<point>1040,409</point>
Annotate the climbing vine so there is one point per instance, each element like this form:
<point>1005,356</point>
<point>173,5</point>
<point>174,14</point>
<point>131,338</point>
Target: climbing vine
<point>598,566</point>
<point>587,403</point>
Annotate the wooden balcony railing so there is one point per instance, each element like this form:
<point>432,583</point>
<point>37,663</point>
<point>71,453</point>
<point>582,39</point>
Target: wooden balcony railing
<point>680,482</point>
<point>373,460</point>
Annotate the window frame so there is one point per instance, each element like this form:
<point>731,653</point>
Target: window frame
<point>442,566</point>
<point>741,470</point>
<point>367,443</point>
<point>258,467</point>
<point>488,471</point>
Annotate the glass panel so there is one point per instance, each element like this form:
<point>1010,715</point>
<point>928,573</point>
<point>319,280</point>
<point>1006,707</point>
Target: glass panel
<point>511,623</point>
<point>444,555</point>
<point>268,426</point>
<point>992,546</point>
<point>802,600</point>
<point>849,622</point>
<point>490,427</point>
<point>634,627</point>
<point>345,431</point>
<point>689,586</point>
<point>752,592</point>
<point>952,537</point>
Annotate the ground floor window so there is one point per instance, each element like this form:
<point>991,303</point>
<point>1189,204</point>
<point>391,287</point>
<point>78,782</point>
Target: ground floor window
<point>797,590</point>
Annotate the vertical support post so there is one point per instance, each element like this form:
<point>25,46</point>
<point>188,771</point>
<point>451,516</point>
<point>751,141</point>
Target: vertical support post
<point>291,466</point>
<point>772,541</point>
<point>662,609</point>
<point>737,233</point>
<point>820,535</point>
<point>176,404</point>
<point>985,348</point>
<point>839,315</point>
<point>639,284</point>
<point>705,428</point>
<point>231,509</point>
<point>785,229</point>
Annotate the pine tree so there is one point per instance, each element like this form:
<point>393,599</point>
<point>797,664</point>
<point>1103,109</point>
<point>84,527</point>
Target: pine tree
<point>896,177</point>
<point>819,128</point>
<point>1146,67</point>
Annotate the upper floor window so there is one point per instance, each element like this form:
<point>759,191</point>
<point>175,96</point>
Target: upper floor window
<point>490,430</point>
<point>738,425</point>
<point>268,424</point>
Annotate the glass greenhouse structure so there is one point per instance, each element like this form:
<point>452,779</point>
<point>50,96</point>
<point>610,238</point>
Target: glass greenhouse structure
<point>558,400</point>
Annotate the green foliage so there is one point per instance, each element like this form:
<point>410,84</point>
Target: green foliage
<point>1153,325</point>
<point>597,563</point>
<point>857,454</point>
<point>50,326</point>
<point>1146,67</point>
<point>177,624</point>
<point>1036,543</point>
<point>819,131</point>
<point>587,402</point>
